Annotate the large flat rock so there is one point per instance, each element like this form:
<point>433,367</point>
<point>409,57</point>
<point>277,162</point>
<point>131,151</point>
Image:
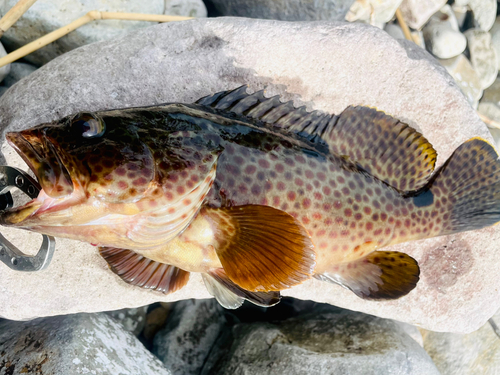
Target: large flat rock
<point>324,65</point>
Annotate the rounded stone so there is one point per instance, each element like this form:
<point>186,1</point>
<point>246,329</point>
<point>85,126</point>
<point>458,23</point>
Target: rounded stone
<point>331,66</point>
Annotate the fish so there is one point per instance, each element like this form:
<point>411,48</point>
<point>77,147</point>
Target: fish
<point>253,193</point>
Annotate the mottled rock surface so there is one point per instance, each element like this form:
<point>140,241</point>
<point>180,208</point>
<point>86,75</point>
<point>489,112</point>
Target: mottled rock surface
<point>188,8</point>
<point>73,344</point>
<point>17,72</point>
<point>285,10</point>
<point>327,341</point>
<point>476,353</point>
<point>133,320</point>
<point>192,328</point>
<point>331,66</point>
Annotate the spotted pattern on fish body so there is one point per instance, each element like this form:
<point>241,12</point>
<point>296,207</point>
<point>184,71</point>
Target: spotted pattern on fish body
<point>231,185</point>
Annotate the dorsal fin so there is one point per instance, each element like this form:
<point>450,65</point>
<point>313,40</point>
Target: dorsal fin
<point>385,147</point>
<point>271,111</point>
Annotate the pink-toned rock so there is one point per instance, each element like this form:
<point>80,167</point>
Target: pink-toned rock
<point>327,66</point>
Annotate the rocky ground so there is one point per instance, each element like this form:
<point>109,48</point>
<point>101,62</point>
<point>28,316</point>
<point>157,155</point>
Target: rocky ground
<point>459,287</point>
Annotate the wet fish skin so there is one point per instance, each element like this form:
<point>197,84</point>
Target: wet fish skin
<point>179,183</point>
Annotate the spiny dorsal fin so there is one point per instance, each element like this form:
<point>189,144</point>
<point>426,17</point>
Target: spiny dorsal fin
<point>271,111</point>
<point>382,145</point>
<point>143,272</point>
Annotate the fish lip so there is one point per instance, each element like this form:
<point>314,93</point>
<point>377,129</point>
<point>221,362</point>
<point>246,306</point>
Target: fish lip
<point>22,216</point>
<point>38,151</point>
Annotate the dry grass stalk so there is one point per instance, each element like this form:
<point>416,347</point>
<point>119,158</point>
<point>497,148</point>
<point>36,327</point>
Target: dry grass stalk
<point>90,16</point>
<point>14,14</point>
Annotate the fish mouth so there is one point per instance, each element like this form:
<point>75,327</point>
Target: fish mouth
<point>57,187</point>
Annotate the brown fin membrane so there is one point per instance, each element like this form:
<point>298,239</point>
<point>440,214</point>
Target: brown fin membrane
<point>467,186</point>
<point>261,248</point>
<point>143,272</point>
<point>382,145</point>
<point>231,296</point>
<point>385,147</point>
<point>377,276</point>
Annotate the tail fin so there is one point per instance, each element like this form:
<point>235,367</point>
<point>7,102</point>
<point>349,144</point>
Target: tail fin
<point>467,188</point>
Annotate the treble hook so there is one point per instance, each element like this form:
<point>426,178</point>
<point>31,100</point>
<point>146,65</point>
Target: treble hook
<point>9,254</point>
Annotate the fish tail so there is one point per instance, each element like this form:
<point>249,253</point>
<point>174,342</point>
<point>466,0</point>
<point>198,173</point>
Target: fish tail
<point>464,194</point>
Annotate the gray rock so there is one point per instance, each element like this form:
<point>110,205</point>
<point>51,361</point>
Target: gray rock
<point>483,56</point>
<point>495,39</point>
<point>73,344</point>
<point>17,72</point>
<point>285,10</point>
<point>188,8</point>
<point>394,30</point>
<point>441,34</point>
<point>48,15</point>
<point>476,353</point>
<point>490,102</point>
<point>331,66</point>
<point>192,328</point>
<point>4,70</point>
<point>133,320</point>
<point>327,341</point>
<point>416,13</point>
<point>466,77</point>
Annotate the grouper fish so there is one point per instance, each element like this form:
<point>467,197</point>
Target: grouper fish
<point>253,193</point>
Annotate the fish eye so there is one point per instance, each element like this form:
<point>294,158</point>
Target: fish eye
<point>89,126</point>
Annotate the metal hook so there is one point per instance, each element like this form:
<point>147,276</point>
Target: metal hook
<point>9,254</point>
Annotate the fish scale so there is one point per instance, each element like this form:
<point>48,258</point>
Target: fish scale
<point>253,193</point>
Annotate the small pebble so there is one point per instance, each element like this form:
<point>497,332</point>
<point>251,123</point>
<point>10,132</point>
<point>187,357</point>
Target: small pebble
<point>417,12</point>
<point>442,36</point>
<point>375,12</point>
<point>483,56</point>
<point>495,39</point>
<point>465,76</point>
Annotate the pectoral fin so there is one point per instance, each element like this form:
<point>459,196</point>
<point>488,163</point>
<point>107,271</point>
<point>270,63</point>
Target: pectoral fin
<point>261,248</point>
<point>231,296</point>
<point>379,275</point>
<point>138,270</point>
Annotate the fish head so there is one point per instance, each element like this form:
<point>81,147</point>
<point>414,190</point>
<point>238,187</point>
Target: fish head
<point>107,180</point>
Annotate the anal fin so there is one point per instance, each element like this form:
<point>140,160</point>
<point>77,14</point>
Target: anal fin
<point>379,275</point>
<point>138,270</point>
<point>231,296</point>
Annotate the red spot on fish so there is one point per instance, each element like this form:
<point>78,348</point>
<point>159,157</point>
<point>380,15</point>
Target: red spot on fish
<point>299,182</point>
<point>305,220</point>
<point>321,176</point>
<point>169,196</point>
<point>337,205</point>
<point>326,190</point>
<point>281,186</point>
<point>367,210</point>
<point>316,216</point>
<point>180,190</point>
<point>276,201</point>
<point>279,168</point>
<point>122,185</point>
<point>291,196</point>
<point>306,203</point>
<point>309,174</point>
<point>120,171</point>
<point>348,212</point>
<point>264,163</point>
<point>98,169</point>
<point>318,196</point>
<point>369,226</point>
